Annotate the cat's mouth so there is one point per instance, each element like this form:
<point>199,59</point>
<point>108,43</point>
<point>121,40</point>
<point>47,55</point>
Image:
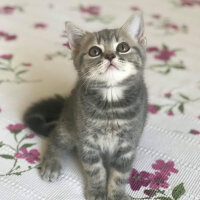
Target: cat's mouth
<point>111,67</point>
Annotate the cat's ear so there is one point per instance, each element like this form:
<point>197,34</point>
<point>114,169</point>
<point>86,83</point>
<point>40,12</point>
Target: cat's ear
<point>134,27</point>
<point>74,34</point>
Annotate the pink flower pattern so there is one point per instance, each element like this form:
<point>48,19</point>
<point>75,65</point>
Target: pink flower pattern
<point>178,102</point>
<point>158,180</point>
<point>40,25</point>
<point>165,167</point>
<point>67,45</point>
<point>190,3</point>
<point>165,55</point>
<point>168,94</point>
<point>7,36</point>
<point>139,179</point>
<point>30,156</point>
<point>92,10</point>
<point>20,150</point>
<point>31,136</point>
<point>194,132</point>
<point>6,56</point>
<point>154,182</point>
<point>7,10</point>
<point>152,49</point>
<point>170,113</point>
<point>16,128</point>
<point>153,109</point>
<point>135,8</point>
<point>164,23</point>
<point>27,64</point>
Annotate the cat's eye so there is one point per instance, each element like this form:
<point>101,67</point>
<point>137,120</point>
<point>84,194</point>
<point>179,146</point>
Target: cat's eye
<point>123,47</point>
<point>95,51</point>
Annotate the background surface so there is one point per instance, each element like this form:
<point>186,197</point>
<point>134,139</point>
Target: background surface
<point>35,63</point>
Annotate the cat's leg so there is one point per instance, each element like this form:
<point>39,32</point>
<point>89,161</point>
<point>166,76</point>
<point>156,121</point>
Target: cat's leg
<point>59,144</point>
<point>95,173</point>
<point>119,173</point>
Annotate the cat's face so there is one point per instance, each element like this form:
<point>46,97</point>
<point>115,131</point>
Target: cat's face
<point>109,56</point>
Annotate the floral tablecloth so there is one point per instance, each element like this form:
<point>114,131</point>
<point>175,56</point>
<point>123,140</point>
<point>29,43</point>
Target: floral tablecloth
<point>35,63</point>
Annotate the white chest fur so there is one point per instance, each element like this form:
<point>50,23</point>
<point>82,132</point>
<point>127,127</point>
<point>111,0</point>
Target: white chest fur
<point>112,93</point>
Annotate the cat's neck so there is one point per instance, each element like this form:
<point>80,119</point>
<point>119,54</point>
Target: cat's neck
<point>97,85</point>
<point>124,93</point>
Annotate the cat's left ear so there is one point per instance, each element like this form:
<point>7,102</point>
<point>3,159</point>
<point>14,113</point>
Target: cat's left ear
<point>134,27</point>
<point>74,34</point>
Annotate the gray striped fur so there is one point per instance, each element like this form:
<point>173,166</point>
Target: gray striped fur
<point>105,129</point>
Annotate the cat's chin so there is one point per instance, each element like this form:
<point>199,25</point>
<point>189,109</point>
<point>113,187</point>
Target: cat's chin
<point>111,68</point>
<point>113,76</point>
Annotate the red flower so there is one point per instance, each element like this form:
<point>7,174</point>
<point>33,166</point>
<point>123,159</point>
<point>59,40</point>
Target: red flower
<point>152,49</point>
<point>6,56</point>
<point>153,109</point>
<point>170,113</point>
<point>137,180</point>
<point>195,132</point>
<point>135,8</point>
<point>168,94</point>
<point>158,180</point>
<point>165,168</point>
<point>15,128</point>
<point>67,45</point>
<point>10,37</point>
<point>31,135</point>
<point>7,10</point>
<point>165,55</point>
<point>187,2</point>
<point>3,34</point>
<point>40,25</point>
<point>92,10</point>
<point>172,26</point>
<point>31,156</point>
<point>27,64</point>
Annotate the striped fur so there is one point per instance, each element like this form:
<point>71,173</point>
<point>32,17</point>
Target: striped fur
<point>104,116</point>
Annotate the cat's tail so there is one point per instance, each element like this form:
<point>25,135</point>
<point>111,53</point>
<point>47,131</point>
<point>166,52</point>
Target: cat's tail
<point>42,116</point>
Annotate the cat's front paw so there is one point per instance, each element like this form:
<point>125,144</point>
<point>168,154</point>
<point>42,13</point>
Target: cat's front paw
<point>50,169</point>
<point>97,196</point>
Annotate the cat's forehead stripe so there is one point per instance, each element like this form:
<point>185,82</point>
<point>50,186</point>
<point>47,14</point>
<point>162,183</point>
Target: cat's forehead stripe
<point>106,35</point>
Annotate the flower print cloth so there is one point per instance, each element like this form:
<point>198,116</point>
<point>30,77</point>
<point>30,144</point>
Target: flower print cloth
<point>35,63</point>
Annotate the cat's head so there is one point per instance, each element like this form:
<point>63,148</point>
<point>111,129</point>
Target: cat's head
<point>110,55</point>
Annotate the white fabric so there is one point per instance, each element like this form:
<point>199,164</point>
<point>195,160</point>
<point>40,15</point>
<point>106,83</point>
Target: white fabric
<point>165,137</point>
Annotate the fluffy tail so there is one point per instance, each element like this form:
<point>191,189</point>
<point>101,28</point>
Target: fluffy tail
<point>42,116</point>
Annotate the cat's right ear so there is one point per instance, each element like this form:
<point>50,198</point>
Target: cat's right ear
<point>74,34</point>
<point>134,27</point>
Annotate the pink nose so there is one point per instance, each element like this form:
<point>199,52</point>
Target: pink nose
<point>110,56</point>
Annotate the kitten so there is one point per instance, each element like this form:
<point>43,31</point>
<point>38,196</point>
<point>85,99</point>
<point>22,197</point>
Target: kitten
<point>104,116</point>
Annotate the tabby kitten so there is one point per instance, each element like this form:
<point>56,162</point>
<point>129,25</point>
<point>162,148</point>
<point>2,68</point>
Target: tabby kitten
<point>104,116</point>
